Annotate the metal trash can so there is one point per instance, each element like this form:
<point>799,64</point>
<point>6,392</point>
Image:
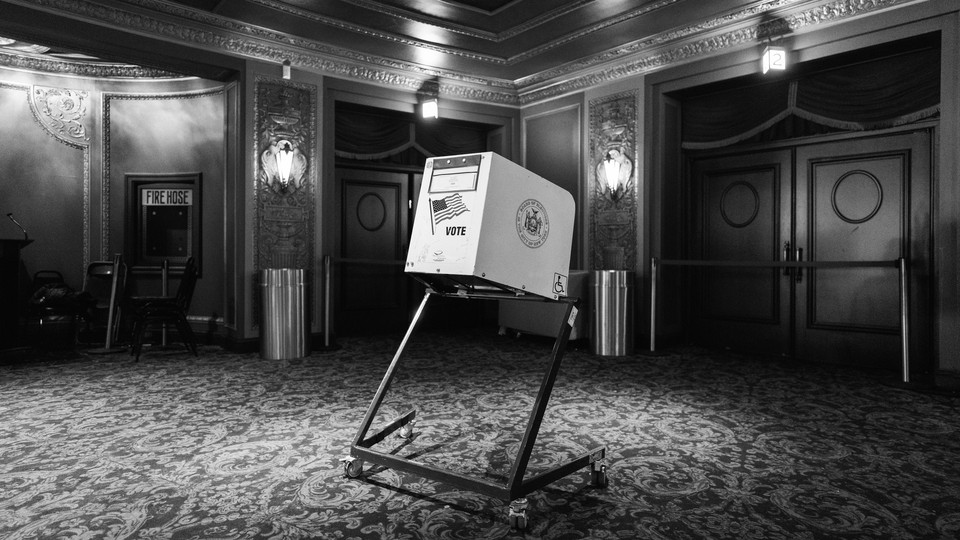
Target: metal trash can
<point>611,310</point>
<point>284,332</point>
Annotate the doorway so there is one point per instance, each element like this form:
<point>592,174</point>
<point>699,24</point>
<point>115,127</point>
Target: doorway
<point>380,158</point>
<point>846,199</point>
<point>376,209</point>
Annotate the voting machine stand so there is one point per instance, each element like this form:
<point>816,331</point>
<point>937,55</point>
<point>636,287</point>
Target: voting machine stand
<point>516,486</point>
<point>486,229</point>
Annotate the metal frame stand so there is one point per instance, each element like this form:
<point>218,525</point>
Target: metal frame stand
<point>516,486</point>
<point>118,276</point>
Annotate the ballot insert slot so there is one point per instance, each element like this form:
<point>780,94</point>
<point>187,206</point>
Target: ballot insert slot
<point>455,174</point>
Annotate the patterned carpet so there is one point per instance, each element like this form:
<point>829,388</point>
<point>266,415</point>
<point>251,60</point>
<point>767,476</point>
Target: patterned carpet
<point>230,446</point>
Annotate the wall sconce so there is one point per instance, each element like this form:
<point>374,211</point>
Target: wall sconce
<point>430,108</point>
<point>286,70</point>
<point>284,161</point>
<point>613,171</point>
<point>283,165</point>
<point>774,58</point>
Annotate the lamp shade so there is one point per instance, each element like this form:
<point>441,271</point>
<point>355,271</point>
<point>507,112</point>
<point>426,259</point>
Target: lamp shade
<point>430,108</point>
<point>774,58</point>
<point>611,169</point>
<point>284,160</point>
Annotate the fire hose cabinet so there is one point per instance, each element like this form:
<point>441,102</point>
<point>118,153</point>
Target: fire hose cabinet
<point>486,223</point>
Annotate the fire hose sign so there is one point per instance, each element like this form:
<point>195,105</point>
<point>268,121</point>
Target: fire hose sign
<point>166,197</point>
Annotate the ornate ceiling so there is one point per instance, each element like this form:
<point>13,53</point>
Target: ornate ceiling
<point>500,39</point>
<point>504,51</point>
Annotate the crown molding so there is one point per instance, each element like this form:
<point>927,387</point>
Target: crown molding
<point>500,37</point>
<point>693,42</point>
<point>80,68</point>
<point>173,22</point>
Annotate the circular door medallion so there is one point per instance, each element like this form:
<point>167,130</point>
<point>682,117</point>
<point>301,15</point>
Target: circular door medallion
<point>856,196</point>
<point>371,211</point>
<point>739,204</point>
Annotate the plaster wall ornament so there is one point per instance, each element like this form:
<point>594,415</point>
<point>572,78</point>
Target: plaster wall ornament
<point>61,111</point>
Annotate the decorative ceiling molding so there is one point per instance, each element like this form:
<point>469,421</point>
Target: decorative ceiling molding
<point>81,68</point>
<point>630,61</point>
<point>643,10</point>
<point>380,35</point>
<point>659,40</point>
<point>496,37</point>
<point>460,29</point>
<point>175,22</point>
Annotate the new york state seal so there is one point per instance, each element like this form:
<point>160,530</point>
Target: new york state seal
<point>533,224</point>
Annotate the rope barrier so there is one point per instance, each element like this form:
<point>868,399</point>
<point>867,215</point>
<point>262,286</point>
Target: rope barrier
<point>328,261</point>
<point>900,264</point>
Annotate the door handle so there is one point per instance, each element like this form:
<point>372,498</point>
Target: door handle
<point>786,257</point>
<point>799,269</point>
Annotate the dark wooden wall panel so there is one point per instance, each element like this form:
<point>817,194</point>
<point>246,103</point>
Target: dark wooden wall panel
<point>552,150</point>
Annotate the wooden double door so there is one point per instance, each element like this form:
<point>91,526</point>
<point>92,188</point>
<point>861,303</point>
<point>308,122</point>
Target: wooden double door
<point>862,199</point>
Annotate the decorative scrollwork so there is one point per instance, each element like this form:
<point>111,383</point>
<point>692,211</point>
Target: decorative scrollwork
<point>61,111</point>
<point>613,210</point>
<point>285,122</point>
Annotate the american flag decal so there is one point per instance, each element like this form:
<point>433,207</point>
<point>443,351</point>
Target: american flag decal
<point>447,208</point>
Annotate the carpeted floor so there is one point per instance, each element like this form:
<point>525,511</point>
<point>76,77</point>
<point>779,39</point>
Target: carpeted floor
<point>230,446</point>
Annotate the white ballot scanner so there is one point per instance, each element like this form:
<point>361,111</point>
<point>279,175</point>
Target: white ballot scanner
<point>484,223</point>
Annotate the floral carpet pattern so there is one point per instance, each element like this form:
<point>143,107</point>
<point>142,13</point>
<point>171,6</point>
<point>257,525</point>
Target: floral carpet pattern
<point>699,445</point>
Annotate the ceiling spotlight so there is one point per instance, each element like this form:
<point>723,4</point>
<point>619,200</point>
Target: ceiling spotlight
<point>774,58</point>
<point>430,108</point>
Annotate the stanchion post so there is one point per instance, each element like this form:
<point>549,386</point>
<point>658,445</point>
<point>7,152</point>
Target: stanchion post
<point>653,304</point>
<point>164,291</point>
<point>326,301</point>
<point>904,321</point>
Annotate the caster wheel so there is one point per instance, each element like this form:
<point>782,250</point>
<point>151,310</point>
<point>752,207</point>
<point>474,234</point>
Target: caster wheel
<point>599,477</point>
<point>406,430</point>
<point>518,522</point>
<point>352,467</point>
<point>517,515</point>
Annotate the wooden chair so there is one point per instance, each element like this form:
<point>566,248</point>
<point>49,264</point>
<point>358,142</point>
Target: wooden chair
<point>157,310</point>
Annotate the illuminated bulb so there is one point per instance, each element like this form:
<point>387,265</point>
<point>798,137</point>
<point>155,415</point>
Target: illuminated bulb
<point>284,160</point>
<point>430,108</point>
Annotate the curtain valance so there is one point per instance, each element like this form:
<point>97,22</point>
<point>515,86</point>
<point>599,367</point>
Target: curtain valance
<point>865,96</point>
<point>369,136</point>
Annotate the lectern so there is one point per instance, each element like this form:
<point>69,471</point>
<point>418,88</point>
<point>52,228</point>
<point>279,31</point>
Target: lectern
<point>11,290</point>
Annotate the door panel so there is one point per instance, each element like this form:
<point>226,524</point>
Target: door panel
<point>865,199</point>
<point>862,200</point>
<point>374,206</point>
<point>742,209</point>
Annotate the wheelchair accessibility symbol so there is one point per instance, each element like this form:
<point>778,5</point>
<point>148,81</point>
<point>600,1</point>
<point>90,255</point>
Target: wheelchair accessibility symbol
<point>560,284</point>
